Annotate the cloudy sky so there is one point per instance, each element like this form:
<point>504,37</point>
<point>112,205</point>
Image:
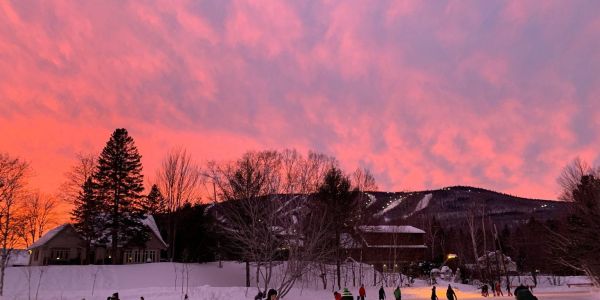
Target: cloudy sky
<point>426,94</point>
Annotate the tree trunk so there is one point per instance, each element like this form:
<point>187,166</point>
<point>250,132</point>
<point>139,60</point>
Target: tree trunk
<point>3,264</point>
<point>114,232</point>
<point>247,274</point>
<point>338,259</point>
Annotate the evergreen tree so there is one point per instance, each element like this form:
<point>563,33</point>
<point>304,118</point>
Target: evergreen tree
<point>119,184</point>
<point>340,205</point>
<point>87,216</point>
<point>154,202</point>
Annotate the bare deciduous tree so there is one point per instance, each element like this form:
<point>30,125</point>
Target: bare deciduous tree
<point>576,244</point>
<point>363,180</point>
<point>13,173</point>
<point>570,177</point>
<point>76,176</point>
<point>38,213</point>
<point>264,213</point>
<point>472,228</point>
<point>178,179</point>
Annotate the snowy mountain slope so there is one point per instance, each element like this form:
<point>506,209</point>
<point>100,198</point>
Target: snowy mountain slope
<point>451,205</point>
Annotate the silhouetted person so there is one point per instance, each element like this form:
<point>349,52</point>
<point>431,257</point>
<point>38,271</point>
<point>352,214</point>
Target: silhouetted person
<point>450,294</point>
<point>381,293</point>
<point>499,289</point>
<point>433,294</point>
<point>523,293</point>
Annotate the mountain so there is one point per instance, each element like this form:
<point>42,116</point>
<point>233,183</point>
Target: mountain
<point>451,205</point>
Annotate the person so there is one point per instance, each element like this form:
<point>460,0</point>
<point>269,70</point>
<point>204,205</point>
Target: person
<point>381,293</point>
<point>115,296</point>
<point>361,292</point>
<point>259,296</point>
<point>508,288</point>
<point>346,295</point>
<point>272,294</point>
<point>337,296</point>
<point>499,289</point>
<point>493,288</point>
<point>523,293</point>
<point>450,294</point>
<point>186,297</point>
<point>433,294</point>
<point>142,298</point>
<point>484,290</point>
<point>397,293</point>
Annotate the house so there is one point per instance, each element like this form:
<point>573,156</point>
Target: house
<point>64,246</point>
<point>386,247</point>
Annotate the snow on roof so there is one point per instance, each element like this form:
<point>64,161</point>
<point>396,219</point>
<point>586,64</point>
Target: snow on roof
<point>149,221</point>
<point>390,229</point>
<point>48,236</point>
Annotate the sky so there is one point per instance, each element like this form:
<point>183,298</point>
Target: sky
<point>426,94</point>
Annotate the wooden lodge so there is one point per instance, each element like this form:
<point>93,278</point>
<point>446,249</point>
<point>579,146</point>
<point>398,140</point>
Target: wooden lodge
<point>386,247</point>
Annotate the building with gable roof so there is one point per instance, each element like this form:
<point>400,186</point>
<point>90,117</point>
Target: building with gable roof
<point>386,247</point>
<point>64,246</point>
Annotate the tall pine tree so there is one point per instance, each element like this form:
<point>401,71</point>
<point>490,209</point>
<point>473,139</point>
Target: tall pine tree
<point>119,183</point>
<point>87,217</point>
<point>154,203</point>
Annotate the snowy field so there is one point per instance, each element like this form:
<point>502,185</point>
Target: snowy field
<point>164,281</point>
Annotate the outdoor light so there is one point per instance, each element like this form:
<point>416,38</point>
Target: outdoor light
<point>452,256</point>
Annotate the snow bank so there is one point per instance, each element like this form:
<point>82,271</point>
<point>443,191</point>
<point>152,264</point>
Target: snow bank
<point>162,281</point>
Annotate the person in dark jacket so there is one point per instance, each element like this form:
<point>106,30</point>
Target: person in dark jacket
<point>450,294</point>
<point>523,293</point>
<point>433,294</point>
<point>272,294</point>
<point>397,293</point>
<point>381,293</point>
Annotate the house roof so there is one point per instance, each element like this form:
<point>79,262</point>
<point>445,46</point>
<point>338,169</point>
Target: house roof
<point>390,229</point>
<point>148,221</point>
<point>151,223</point>
<point>48,236</point>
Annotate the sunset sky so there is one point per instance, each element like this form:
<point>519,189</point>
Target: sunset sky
<point>426,94</point>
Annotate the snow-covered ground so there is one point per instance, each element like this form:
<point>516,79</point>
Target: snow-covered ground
<point>163,281</point>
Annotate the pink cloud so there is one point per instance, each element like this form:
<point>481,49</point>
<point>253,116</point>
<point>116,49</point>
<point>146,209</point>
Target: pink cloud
<point>499,95</point>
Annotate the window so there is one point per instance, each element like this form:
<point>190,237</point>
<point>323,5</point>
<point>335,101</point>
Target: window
<point>36,254</point>
<point>60,253</point>
<point>139,256</point>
